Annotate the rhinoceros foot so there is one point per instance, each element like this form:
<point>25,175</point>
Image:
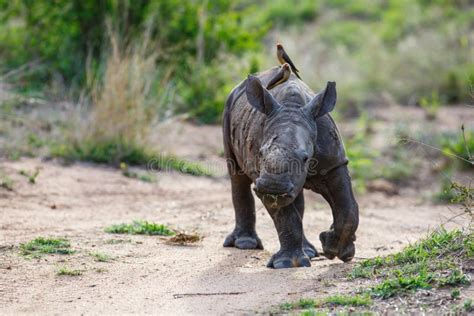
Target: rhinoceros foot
<point>243,240</point>
<point>334,246</point>
<point>289,259</point>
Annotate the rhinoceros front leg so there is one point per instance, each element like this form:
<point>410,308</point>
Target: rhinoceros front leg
<point>289,225</point>
<point>336,188</point>
<point>308,247</point>
<point>244,235</point>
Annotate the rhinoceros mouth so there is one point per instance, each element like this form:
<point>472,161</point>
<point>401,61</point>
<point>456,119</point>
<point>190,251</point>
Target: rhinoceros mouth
<point>276,200</point>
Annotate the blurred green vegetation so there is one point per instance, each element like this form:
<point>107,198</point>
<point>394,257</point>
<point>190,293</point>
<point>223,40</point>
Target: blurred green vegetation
<point>61,40</point>
<point>367,162</point>
<point>383,52</point>
<point>204,47</point>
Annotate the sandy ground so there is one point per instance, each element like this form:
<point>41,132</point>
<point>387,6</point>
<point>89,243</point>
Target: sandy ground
<point>150,276</point>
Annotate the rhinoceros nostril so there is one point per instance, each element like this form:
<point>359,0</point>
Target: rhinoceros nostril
<point>290,195</point>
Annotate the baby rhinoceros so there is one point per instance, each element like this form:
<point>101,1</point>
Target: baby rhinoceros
<point>284,140</point>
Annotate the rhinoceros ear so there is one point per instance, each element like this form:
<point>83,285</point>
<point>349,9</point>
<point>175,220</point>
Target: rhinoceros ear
<point>259,97</point>
<point>323,102</point>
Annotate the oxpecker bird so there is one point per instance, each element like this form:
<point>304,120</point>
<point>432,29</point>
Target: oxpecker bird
<point>281,76</point>
<point>284,58</point>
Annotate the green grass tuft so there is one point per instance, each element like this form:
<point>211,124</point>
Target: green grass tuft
<point>68,271</point>
<point>286,306</point>
<point>134,174</point>
<point>391,287</point>
<point>139,176</point>
<point>303,303</point>
<point>140,228</point>
<point>455,294</point>
<point>101,257</point>
<point>30,175</point>
<point>306,303</point>
<point>117,241</point>
<point>6,182</point>
<point>41,245</point>
<point>468,305</point>
<point>348,300</point>
<point>334,300</point>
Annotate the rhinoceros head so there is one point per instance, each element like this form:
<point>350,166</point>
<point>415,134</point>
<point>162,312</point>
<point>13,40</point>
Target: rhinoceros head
<point>289,140</point>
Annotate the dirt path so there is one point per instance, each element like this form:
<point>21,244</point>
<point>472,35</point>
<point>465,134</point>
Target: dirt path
<point>149,276</point>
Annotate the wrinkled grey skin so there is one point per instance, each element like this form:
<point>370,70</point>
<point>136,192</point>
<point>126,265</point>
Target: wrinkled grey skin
<point>284,140</point>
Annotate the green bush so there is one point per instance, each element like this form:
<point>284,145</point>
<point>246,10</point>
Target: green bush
<point>61,34</point>
<point>57,35</point>
<point>63,38</point>
<point>203,93</point>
